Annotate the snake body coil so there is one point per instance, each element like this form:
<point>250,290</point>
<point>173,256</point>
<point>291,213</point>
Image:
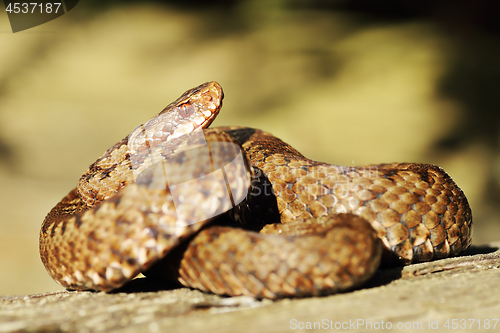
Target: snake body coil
<point>323,228</point>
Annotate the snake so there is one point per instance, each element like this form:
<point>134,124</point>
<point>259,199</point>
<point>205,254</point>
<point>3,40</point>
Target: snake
<point>237,211</point>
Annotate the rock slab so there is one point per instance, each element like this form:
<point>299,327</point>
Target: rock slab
<point>458,292</point>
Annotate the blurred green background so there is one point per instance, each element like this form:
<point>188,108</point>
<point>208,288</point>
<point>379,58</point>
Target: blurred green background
<point>344,81</point>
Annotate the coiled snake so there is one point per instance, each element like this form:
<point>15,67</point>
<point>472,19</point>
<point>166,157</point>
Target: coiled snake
<point>323,228</point>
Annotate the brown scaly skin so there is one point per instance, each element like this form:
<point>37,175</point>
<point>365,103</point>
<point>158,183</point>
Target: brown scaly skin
<point>334,220</point>
<point>417,209</point>
<point>108,229</point>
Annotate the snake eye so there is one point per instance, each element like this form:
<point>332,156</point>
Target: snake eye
<point>185,110</point>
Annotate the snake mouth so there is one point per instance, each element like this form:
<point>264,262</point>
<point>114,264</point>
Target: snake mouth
<point>207,103</point>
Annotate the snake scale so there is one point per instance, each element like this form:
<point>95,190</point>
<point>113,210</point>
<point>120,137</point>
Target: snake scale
<point>294,227</point>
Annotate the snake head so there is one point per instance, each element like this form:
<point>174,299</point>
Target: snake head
<point>195,109</point>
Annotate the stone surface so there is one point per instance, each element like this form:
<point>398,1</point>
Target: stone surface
<point>409,298</point>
